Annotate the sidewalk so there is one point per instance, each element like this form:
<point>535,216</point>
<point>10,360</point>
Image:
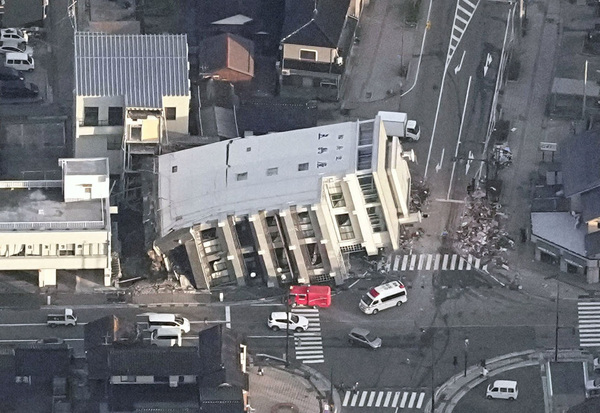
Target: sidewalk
<point>279,388</point>
<point>449,394</point>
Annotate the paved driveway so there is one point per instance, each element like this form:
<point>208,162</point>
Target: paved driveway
<point>531,394</point>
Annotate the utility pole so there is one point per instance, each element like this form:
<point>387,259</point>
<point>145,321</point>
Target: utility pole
<point>432,372</point>
<point>556,329</point>
<point>287,328</point>
<point>466,355</point>
<point>585,75</point>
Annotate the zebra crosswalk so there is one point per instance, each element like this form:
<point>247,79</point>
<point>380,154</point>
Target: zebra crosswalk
<point>405,399</point>
<point>436,262</point>
<point>588,314</point>
<point>309,344</point>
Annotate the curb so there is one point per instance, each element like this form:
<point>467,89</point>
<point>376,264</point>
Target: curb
<point>318,381</point>
<point>473,379</point>
<point>495,366</point>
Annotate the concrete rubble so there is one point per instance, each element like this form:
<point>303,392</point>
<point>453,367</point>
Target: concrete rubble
<point>481,232</point>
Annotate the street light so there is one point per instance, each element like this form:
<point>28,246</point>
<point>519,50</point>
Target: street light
<point>287,322</point>
<point>432,367</point>
<point>466,355</point>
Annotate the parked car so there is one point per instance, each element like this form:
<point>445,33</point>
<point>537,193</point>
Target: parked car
<point>153,321</point>
<point>597,364</point>
<point>502,389</point>
<point>18,89</point>
<point>66,318</point>
<point>166,337</point>
<point>19,61</point>
<point>14,35</point>
<point>11,47</point>
<point>50,340</point>
<point>364,338</point>
<point>277,321</point>
<point>592,387</point>
<point>8,73</point>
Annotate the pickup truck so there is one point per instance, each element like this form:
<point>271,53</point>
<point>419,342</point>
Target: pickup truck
<point>65,319</point>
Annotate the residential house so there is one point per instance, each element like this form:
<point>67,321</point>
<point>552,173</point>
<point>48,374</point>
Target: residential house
<point>283,207</point>
<point>227,57</point>
<point>132,93</point>
<point>24,13</point>
<point>35,377</point>
<point>51,225</point>
<point>569,234</point>
<point>258,115</point>
<point>131,375</point>
<point>316,38</point>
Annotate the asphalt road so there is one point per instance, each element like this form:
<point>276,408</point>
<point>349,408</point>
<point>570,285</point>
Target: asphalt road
<point>531,394</point>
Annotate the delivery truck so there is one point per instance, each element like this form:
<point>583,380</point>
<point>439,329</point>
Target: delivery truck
<point>310,295</point>
<point>67,318</point>
<point>397,124</point>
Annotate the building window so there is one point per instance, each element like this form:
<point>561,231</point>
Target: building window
<point>90,116</point>
<point>248,149</point>
<point>345,227</point>
<point>272,171</point>
<point>303,166</point>
<point>113,142</point>
<point>308,55</point>
<point>127,379</point>
<point>115,116</point>
<point>171,113</point>
<point>68,249</point>
<point>174,169</point>
<point>136,133</point>
<point>241,177</point>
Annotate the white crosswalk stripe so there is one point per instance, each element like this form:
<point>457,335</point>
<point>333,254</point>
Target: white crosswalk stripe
<point>434,262</point>
<point>588,314</point>
<point>462,16</point>
<point>309,344</point>
<point>401,399</point>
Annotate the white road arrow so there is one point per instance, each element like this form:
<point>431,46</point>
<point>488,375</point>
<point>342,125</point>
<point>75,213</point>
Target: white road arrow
<point>438,167</point>
<point>457,68</point>
<point>469,160</point>
<point>488,61</point>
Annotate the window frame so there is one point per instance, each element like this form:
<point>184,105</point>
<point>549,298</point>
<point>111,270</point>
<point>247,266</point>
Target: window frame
<point>316,54</point>
<point>111,116</point>
<point>171,113</point>
<point>88,116</point>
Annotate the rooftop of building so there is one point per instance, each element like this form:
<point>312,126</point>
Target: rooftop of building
<point>141,68</point>
<point>45,209</point>
<point>85,166</point>
<point>272,171</point>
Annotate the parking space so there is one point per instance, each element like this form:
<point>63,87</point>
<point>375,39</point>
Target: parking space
<point>530,399</point>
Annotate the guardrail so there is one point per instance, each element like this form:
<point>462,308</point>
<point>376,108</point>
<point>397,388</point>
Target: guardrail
<point>49,183</point>
<point>23,226</point>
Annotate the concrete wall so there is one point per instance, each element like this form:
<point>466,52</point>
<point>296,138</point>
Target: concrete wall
<point>42,250</point>
<point>324,54</point>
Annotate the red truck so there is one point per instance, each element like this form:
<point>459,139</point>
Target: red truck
<point>310,295</point>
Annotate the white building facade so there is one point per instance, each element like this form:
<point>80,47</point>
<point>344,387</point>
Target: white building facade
<point>284,207</point>
<point>131,91</point>
<point>47,226</point>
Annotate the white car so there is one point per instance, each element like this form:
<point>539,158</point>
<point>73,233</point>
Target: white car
<point>277,321</point>
<point>14,35</point>
<point>11,47</point>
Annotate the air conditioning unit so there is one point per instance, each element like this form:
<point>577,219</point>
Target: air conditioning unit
<point>285,72</point>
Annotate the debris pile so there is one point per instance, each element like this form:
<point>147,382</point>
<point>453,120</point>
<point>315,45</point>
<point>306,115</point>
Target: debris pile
<point>480,233</point>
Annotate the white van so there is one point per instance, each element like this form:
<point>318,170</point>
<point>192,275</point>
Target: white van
<point>385,296</point>
<point>19,61</point>
<point>153,321</point>
<point>503,389</point>
<point>166,337</point>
